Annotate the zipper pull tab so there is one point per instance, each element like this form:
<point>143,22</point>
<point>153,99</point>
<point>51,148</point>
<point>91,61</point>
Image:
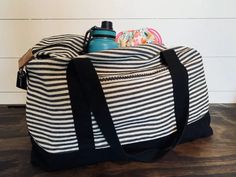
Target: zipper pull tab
<point>21,81</point>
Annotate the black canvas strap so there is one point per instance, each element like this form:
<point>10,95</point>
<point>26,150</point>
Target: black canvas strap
<point>81,111</point>
<point>93,100</point>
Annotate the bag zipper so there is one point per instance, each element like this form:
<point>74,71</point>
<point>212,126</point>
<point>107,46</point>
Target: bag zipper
<point>130,76</point>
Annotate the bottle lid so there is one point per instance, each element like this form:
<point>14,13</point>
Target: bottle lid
<point>107,25</point>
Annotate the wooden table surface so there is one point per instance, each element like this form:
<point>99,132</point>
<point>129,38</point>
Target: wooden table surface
<point>208,157</point>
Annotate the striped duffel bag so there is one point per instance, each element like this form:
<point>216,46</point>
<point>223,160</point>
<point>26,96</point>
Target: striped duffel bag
<point>133,103</point>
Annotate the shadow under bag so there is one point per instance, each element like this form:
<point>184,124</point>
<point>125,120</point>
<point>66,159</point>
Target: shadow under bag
<point>132,104</point>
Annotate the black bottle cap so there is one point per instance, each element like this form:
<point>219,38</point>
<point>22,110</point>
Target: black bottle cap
<point>107,25</point>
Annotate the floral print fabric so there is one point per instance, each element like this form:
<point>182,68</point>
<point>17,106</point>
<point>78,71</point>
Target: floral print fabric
<point>138,37</point>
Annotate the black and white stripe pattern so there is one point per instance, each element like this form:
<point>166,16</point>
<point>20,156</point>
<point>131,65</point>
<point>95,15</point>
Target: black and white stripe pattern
<point>137,87</point>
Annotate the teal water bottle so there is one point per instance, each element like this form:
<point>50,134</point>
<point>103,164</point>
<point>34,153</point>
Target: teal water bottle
<point>100,38</point>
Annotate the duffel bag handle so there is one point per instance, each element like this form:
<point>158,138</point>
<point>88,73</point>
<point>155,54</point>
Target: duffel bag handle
<point>92,92</point>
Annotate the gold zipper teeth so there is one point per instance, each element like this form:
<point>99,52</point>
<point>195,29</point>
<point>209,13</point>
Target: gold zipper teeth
<point>131,76</point>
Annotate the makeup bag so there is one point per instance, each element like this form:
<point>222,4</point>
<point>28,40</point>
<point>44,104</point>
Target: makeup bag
<point>138,37</point>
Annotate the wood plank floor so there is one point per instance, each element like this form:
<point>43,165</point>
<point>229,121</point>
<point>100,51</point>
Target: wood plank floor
<point>209,157</point>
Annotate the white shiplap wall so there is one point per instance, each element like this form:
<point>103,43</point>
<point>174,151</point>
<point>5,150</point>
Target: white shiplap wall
<point>207,25</point>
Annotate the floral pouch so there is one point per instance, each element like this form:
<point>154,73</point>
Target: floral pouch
<point>138,37</point>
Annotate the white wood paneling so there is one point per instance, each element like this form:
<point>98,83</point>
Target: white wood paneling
<point>222,97</point>
<point>44,9</point>
<point>8,72</point>
<point>210,37</point>
<point>206,25</point>
<point>220,74</point>
<point>9,94</point>
<point>12,98</point>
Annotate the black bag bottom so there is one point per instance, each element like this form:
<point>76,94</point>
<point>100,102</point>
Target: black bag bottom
<point>51,162</point>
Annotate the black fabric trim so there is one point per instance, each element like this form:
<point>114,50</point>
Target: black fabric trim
<point>91,89</point>
<point>81,112</point>
<point>179,77</point>
<point>60,161</point>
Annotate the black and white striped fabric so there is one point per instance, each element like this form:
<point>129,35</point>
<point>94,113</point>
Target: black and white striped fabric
<point>137,87</point>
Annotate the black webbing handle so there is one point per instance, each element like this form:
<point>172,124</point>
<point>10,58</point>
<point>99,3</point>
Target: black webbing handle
<point>91,89</point>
